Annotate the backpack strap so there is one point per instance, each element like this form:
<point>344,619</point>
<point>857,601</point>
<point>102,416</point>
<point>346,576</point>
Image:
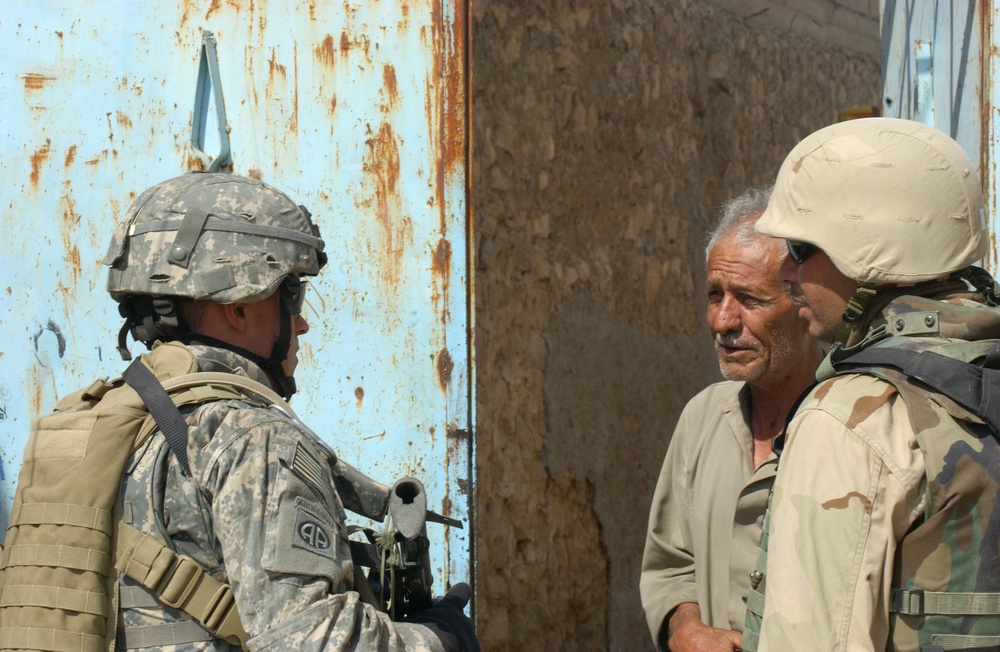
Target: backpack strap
<point>973,387</point>
<point>176,580</point>
<point>179,582</point>
<point>168,418</point>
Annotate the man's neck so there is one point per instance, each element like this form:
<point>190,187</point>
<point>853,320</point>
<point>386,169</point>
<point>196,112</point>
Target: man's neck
<point>771,399</point>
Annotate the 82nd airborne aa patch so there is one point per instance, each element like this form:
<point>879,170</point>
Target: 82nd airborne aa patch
<point>313,532</point>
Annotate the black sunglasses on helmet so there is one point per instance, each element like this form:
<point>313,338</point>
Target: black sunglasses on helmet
<point>293,293</point>
<point>800,251</point>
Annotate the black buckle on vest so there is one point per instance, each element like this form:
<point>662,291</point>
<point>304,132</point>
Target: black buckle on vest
<point>909,602</point>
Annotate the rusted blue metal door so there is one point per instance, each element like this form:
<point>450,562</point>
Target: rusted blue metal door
<point>939,66</point>
<point>357,109</point>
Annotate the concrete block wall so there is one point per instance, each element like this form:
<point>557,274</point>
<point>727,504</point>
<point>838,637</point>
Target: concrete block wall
<point>606,134</point>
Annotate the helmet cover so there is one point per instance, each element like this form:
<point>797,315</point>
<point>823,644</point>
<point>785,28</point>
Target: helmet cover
<point>890,201</point>
<point>212,236</point>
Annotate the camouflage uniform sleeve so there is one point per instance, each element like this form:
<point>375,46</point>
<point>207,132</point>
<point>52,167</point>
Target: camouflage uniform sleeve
<point>280,527</point>
<point>847,489</point>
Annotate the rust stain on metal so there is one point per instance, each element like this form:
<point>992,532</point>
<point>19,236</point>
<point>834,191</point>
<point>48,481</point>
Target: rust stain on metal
<point>383,161</point>
<point>333,105</point>
<point>70,219</point>
<point>444,368</point>
<point>456,94</point>
<point>36,397</point>
<point>70,156</point>
<point>359,393</point>
<point>34,81</point>
<point>123,120</point>
<point>195,163</point>
<point>389,81</point>
<point>255,173</point>
<point>442,259</point>
<point>446,99</point>
<point>212,8</point>
<point>347,44</point>
<point>325,51</point>
<point>458,435</point>
<point>294,121</point>
<point>37,159</point>
<point>274,68</point>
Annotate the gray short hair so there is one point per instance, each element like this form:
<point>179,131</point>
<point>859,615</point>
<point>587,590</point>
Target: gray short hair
<point>738,218</point>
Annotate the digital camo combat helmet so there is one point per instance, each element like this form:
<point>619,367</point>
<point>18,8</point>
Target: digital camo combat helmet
<point>219,237</point>
<point>890,201</point>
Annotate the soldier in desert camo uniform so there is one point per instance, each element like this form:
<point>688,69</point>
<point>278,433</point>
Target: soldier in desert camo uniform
<point>884,520</point>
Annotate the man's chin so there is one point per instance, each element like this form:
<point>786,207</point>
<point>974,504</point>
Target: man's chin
<point>739,372</point>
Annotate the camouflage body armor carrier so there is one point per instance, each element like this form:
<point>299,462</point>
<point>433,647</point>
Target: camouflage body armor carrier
<point>946,579</point>
<point>66,543</point>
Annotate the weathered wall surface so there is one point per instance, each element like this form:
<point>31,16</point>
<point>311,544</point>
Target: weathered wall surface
<point>606,133</point>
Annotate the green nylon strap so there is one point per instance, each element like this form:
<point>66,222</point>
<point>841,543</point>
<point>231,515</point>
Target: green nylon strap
<point>136,597</point>
<point>964,642</point>
<point>187,236</point>
<point>49,640</point>
<point>755,603</point>
<point>754,617</point>
<point>85,559</point>
<point>914,602</point>
<point>62,514</point>
<point>162,635</point>
<point>232,226</point>
<point>51,597</point>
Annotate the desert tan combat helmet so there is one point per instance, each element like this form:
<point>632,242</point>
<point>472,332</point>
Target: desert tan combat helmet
<point>221,237</point>
<point>890,201</point>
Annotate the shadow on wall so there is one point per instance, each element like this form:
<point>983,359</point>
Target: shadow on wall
<point>608,425</point>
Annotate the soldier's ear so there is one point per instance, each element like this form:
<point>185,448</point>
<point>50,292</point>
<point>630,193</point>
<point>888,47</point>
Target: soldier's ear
<point>235,316</point>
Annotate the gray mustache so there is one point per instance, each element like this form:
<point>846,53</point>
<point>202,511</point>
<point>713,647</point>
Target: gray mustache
<point>732,340</point>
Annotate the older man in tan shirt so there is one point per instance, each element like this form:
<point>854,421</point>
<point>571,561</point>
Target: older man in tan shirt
<point>705,519</point>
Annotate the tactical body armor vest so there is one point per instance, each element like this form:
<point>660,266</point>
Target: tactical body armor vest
<point>66,542</point>
<point>946,579</point>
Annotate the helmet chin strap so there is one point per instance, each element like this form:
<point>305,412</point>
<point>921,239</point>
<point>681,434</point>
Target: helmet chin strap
<point>274,366</point>
<point>162,322</point>
<point>852,313</point>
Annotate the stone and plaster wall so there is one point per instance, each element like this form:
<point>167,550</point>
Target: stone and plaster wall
<point>606,134</point>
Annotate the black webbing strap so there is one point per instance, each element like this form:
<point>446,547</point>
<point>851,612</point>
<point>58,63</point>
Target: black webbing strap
<point>168,418</point>
<point>975,388</point>
<point>365,554</point>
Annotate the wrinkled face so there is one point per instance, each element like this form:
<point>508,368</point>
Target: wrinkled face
<point>821,291</point>
<point>754,323</point>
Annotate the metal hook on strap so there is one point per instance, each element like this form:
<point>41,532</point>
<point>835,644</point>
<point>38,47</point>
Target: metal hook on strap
<point>209,80</point>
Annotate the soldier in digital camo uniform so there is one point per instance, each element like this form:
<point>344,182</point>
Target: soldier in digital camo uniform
<point>213,263</point>
<point>884,521</point>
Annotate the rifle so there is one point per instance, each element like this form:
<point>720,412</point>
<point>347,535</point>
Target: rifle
<point>402,548</point>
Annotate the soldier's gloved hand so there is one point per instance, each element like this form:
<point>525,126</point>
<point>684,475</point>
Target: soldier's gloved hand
<point>447,619</point>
